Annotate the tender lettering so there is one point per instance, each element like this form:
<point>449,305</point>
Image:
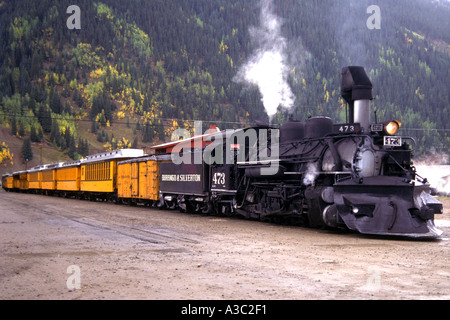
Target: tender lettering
<point>181,177</point>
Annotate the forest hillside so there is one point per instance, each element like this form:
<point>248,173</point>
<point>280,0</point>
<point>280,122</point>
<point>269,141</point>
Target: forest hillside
<point>113,74</point>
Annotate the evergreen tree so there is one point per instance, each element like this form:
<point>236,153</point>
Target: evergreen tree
<point>40,135</point>
<point>34,135</point>
<point>100,136</point>
<point>45,118</point>
<point>27,151</point>
<point>55,102</point>
<point>21,129</point>
<point>94,126</point>
<point>13,126</point>
<point>135,143</point>
<point>68,137</point>
<point>83,147</point>
<point>55,134</point>
<point>72,147</point>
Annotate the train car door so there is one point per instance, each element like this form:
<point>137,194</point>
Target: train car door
<point>143,180</point>
<point>134,179</point>
<point>124,180</point>
<point>152,180</point>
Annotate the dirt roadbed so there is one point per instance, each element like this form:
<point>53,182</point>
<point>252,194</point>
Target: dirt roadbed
<point>56,248</point>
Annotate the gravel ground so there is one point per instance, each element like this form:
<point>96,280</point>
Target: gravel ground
<point>56,248</point>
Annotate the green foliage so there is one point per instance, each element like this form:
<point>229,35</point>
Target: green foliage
<point>86,57</point>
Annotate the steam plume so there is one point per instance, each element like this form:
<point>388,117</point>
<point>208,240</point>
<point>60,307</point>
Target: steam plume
<point>267,67</point>
<point>311,174</point>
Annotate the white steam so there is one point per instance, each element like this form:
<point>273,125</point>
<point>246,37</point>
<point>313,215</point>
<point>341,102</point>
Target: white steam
<point>267,67</point>
<point>311,173</point>
<point>436,169</point>
<point>437,175</point>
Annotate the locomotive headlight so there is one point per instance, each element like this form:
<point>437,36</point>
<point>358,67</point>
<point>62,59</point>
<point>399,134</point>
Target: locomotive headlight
<point>392,127</point>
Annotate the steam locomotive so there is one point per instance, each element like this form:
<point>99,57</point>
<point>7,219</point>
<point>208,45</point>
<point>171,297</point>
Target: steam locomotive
<point>356,176</point>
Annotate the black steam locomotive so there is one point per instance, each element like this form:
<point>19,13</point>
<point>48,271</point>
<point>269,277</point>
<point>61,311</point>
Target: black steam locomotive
<point>356,176</point>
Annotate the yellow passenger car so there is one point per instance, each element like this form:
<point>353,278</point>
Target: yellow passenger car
<point>16,180</point>
<point>7,182</point>
<point>138,179</point>
<point>48,183</point>
<point>68,176</point>
<point>98,172</point>
<point>23,181</point>
<point>35,178</point>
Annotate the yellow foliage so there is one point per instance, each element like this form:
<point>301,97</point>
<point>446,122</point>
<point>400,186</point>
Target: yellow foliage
<point>326,96</point>
<point>120,115</point>
<point>5,154</point>
<point>97,73</point>
<point>124,143</point>
<point>73,84</point>
<point>342,103</point>
<point>418,94</point>
<point>223,47</point>
<point>108,146</point>
<point>120,144</point>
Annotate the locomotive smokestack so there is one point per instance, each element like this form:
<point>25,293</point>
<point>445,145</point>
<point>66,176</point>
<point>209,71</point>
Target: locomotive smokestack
<point>356,89</point>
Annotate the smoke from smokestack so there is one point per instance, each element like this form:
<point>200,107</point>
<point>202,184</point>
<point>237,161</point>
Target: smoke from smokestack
<point>267,67</point>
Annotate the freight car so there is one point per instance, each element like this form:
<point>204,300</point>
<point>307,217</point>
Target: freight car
<point>138,180</point>
<point>358,175</point>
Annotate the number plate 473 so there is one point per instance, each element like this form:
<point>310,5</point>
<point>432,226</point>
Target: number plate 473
<point>392,141</point>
